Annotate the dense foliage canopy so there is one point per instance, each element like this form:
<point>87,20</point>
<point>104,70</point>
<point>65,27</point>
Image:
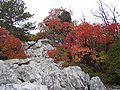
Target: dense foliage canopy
<point>10,46</point>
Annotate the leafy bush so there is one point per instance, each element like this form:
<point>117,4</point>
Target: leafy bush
<point>81,41</point>
<point>113,64</point>
<point>39,35</point>
<point>58,31</point>
<point>59,53</point>
<point>10,47</point>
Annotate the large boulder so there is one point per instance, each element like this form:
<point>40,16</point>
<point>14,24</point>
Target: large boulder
<point>39,72</point>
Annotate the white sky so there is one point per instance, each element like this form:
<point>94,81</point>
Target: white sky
<point>40,8</point>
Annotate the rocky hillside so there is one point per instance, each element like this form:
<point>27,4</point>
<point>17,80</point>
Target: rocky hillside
<point>40,73</point>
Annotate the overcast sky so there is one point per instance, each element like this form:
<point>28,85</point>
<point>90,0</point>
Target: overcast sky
<point>40,8</point>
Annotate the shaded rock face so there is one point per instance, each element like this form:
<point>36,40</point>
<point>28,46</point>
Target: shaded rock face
<point>40,73</point>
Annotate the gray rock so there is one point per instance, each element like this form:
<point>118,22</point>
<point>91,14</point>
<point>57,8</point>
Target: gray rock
<point>39,49</point>
<point>23,86</point>
<point>7,75</point>
<point>40,73</point>
<point>96,84</point>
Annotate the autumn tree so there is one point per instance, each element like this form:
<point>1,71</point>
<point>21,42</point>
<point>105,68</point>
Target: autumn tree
<point>55,13</point>
<point>10,46</point>
<point>110,17</point>
<point>14,18</point>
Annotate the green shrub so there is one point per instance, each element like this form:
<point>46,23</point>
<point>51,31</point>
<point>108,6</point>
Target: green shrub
<point>113,64</point>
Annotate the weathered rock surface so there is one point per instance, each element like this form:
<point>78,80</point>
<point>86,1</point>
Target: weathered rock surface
<point>40,73</point>
<point>112,87</point>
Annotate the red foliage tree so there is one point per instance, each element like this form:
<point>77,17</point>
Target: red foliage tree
<point>55,24</point>
<point>86,34</point>
<point>10,46</point>
<point>80,42</point>
<point>54,13</point>
<point>58,30</point>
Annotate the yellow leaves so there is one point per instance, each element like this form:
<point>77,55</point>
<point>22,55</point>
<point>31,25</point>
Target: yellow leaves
<point>77,58</point>
<point>93,56</point>
<point>102,55</point>
<point>80,52</point>
<point>99,58</point>
<point>77,53</point>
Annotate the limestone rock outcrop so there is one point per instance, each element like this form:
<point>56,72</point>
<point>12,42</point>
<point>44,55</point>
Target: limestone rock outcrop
<point>39,72</point>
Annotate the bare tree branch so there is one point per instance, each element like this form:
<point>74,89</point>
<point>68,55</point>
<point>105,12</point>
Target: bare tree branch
<point>106,16</point>
<point>83,18</point>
